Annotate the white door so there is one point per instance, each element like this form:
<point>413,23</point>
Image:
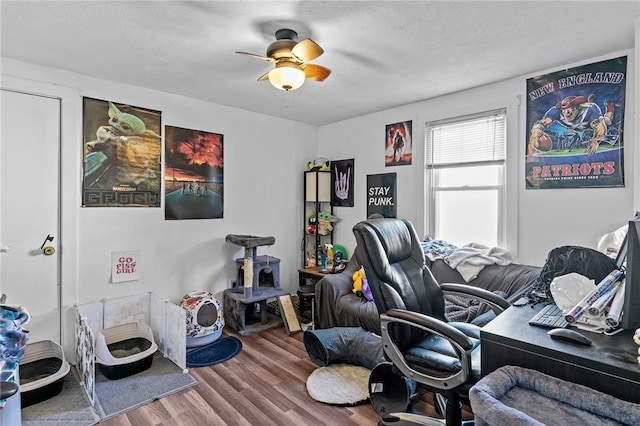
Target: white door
<point>29,209</point>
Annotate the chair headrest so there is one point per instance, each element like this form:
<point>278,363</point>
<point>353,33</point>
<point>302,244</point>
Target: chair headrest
<point>394,235</point>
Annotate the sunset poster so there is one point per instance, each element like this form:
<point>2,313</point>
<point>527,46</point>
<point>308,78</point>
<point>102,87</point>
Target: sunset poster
<point>194,174</point>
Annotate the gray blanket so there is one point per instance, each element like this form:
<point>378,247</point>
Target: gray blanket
<point>462,309</point>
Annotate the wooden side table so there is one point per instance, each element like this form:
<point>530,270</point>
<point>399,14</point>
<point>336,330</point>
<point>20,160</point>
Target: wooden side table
<point>312,273</point>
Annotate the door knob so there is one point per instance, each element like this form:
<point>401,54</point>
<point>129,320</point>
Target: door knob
<point>48,250</point>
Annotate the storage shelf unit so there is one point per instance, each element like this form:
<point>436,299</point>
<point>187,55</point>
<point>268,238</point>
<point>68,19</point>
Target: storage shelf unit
<point>317,197</point>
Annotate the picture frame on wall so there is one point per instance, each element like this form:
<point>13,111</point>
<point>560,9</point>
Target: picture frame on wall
<point>121,155</point>
<point>398,146</point>
<point>381,195</point>
<point>575,124</point>
<point>342,178</point>
<point>193,174</point>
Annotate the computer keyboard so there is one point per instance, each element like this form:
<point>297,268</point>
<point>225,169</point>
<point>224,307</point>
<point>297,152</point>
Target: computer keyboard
<point>550,316</point>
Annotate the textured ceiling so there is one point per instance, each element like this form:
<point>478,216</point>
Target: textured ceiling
<point>382,54</point>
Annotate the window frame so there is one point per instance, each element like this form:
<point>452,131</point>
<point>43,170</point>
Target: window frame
<point>431,175</point>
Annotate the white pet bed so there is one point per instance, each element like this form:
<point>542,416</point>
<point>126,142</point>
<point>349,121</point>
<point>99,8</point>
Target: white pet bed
<point>125,349</point>
<point>42,371</point>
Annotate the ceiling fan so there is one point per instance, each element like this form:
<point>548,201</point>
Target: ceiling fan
<point>290,58</point>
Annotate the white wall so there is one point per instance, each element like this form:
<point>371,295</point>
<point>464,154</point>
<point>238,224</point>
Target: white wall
<point>264,162</point>
<point>265,158</point>
<point>537,220</point>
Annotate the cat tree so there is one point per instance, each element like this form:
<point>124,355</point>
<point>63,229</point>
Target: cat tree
<point>258,280</point>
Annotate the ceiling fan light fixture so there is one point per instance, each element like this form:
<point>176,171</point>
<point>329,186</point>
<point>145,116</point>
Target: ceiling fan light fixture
<point>286,76</point>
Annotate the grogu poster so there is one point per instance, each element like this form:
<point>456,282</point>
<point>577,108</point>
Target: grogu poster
<point>121,151</point>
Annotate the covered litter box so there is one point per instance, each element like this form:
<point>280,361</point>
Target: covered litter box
<point>42,372</point>
<point>124,349</point>
<point>205,318</point>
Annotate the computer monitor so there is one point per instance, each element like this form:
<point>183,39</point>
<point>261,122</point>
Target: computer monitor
<point>631,308</point>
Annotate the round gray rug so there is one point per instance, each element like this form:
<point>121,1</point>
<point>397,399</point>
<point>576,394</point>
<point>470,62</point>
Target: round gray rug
<point>339,384</point>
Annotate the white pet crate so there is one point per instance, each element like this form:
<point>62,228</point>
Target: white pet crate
<point>166,320</point>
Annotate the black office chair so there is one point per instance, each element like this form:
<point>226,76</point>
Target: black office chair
<point>440,356</point>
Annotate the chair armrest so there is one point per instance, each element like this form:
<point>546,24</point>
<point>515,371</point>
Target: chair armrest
<point>432,325</point>
<point>497,303</point>
<point>462,345</point>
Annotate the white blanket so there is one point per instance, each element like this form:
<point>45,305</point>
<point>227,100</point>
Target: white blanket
<point>471,258</point>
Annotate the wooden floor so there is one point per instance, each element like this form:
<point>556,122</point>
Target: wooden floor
<point>263,385</point>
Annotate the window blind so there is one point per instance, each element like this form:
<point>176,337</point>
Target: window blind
<point>472,139</point>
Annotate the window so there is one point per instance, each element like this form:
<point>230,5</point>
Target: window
<point>465,169</point>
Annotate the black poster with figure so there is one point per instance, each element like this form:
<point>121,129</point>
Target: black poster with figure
<point>381,195</point>
<point>342,172</point>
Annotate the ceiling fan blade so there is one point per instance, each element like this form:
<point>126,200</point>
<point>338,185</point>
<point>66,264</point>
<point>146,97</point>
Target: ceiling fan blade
<point>264,76</point>
<point>315,72</point>
<point>253,55</point>
<point>307,50</point>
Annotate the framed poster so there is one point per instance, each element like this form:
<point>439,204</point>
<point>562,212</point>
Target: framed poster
<point>193,174</point>
<point>342,172</point>
<point>121,151</point>
<point>381,195</point>
<point>575,120</point>
<point>398,144</point>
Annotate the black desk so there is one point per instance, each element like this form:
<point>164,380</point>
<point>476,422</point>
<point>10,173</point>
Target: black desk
<point>608,365</point>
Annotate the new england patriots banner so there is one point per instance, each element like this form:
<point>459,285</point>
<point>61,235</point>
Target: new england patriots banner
<point>575,120</point>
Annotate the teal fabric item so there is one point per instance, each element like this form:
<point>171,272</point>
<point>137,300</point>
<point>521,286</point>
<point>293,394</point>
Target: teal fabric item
<point>214,353</point>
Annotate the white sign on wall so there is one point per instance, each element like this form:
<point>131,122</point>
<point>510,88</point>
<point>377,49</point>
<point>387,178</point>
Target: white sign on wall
<point>125,266</point>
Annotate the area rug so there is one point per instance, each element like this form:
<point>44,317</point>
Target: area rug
<point>70,407</point>
<point>339,384</point>
<point>163,378</point>
<point>214,353</point>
